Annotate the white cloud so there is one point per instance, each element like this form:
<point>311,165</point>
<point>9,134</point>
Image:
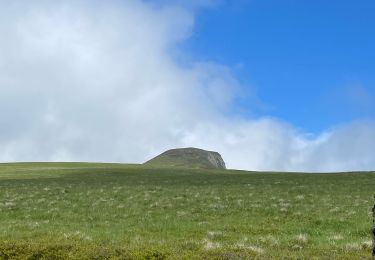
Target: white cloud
<point>267,144</point>
<point>100,82</point>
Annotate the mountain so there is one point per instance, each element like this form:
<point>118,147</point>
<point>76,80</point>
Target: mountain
<point>188,158</point>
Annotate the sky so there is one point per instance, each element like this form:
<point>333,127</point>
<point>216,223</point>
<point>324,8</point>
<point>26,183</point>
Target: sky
<point>271,85</point>
<point>306,59</point>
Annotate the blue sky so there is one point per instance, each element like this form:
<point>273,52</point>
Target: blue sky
<point>312,63</point>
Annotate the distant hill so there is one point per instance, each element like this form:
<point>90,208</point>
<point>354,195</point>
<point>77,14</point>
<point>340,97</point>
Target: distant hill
<point>188,158</point>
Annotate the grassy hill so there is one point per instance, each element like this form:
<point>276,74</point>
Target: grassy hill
<point>188,158</point>
<point>114,211</point>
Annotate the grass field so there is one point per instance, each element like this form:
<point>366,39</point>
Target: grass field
<point>113,211</point>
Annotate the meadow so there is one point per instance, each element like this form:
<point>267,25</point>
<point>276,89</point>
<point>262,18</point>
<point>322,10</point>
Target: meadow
<point>114,211</point>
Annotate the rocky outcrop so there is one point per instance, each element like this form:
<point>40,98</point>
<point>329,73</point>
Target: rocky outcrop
<point>189,158</point>
<point>216,160</point>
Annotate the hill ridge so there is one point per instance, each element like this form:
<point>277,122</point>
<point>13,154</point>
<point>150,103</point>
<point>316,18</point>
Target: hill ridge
<point>189,157</point>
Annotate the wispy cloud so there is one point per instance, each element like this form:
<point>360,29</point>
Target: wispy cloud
<point>88,82</point>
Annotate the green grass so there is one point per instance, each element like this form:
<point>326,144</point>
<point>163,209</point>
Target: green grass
<point>181,162</point>
<point>114,211</point>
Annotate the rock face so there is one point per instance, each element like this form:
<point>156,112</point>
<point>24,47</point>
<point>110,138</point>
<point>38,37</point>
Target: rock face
<point>189,158</point>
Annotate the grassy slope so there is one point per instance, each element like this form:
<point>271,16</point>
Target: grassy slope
<point>180,158</point>
<point>129,211</point>
<point>176,162</point>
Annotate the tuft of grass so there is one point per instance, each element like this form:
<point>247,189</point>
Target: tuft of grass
<point>114,211</point>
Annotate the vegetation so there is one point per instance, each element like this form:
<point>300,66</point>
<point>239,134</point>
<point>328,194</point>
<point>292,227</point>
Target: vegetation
<point>113,211</point>
<point>188,158</point>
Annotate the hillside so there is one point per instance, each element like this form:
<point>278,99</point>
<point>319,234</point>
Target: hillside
<point>115,211</point>
<point>188,158</point>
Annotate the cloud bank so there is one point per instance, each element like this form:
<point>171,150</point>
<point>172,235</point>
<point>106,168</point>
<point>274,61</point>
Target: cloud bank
<point>106,82</point>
